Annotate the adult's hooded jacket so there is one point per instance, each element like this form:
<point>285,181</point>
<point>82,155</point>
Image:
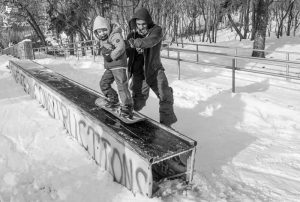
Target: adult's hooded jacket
<point>151,44</point>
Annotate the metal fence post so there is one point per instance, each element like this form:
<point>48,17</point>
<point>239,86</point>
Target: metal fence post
<point>236,53</point>
<point>287,66</point>
<point>77,52</point>
<point>65,53</point>
<point>178,62</point>
<point>33,54</point>
<point>197,53</point>
<point>233,75</point>
<point>94,51</point>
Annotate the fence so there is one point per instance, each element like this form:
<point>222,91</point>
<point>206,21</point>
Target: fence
<point>22,50</point>
<point>237,57</point>
<point>287,68</point>
<point>77,49</point>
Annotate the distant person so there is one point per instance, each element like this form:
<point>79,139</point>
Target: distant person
<point>115,63</point>
<point>145,67</point>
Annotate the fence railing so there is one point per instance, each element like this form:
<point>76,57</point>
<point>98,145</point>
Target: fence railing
<point>285,68</point>
<point>67,50</point>
<point>236,51</point>
<point>233,60</point>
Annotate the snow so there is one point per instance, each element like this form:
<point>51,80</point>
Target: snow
<point>248,142</point>
<point>25,40</point>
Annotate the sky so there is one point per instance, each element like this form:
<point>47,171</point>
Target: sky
<point>248,142</point>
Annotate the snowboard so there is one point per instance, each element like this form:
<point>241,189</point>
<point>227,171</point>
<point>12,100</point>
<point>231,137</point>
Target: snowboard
<point>101,102</point>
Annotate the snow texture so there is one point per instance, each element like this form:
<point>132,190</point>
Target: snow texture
<point>248,142</point>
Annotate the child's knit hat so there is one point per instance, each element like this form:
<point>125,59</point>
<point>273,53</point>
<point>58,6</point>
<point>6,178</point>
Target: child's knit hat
<point>100,23</point>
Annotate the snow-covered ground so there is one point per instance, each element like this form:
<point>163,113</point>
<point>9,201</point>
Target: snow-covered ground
<point>248,142</point>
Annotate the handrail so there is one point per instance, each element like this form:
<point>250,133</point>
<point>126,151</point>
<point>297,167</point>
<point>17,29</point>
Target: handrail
<point>235,56</point>
<point>194,44</point>
<point>232,47</point>
<point>188,51</point>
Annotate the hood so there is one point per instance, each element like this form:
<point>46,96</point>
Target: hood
<point>101,22</point>
<point>142,14</point>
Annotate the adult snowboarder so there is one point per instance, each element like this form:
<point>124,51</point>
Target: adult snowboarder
<point>145,67</point>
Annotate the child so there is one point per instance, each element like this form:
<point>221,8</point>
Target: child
<point>115,63</point>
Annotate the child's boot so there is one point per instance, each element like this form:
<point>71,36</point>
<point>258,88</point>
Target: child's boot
<point>126,112</point>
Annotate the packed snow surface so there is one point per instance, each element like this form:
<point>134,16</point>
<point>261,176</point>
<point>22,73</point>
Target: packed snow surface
<point>248,142</point>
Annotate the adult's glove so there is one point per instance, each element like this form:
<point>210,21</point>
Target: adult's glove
<point>139,50</point>
<point>127,44</point>
<point>106,54</point>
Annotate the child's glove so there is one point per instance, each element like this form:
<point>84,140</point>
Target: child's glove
<point>131,42</point>
<point>106,54</point>
<point>108,46</point>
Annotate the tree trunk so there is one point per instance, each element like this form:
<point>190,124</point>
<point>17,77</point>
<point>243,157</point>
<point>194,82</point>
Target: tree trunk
<point>216,24</point>
<point>246,19</point>
<point>204,28</point>
<point>181,32</point>
<point>290,20</point>
<point>203,9</point>
<point>254,23</point>
<point>208,25</point>
<point>280,28</point>
<point>296,24</point>
<point>269,30</point>
<point>82,45</point>
<point>199,24</point>
<point>71,46</point>
<point>194,28</point>
<point>262,17</point>
<point>35,26</point>
<point>38,32</point>
<point>176,22</point>
<point>164,24</point>
<point>235,27</point>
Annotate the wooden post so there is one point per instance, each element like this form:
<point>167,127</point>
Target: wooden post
<point>25,50</point>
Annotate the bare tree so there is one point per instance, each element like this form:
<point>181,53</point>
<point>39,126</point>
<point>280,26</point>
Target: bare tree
<point>260,25</point>
<point>282,10</point>
<point>30,11</point>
